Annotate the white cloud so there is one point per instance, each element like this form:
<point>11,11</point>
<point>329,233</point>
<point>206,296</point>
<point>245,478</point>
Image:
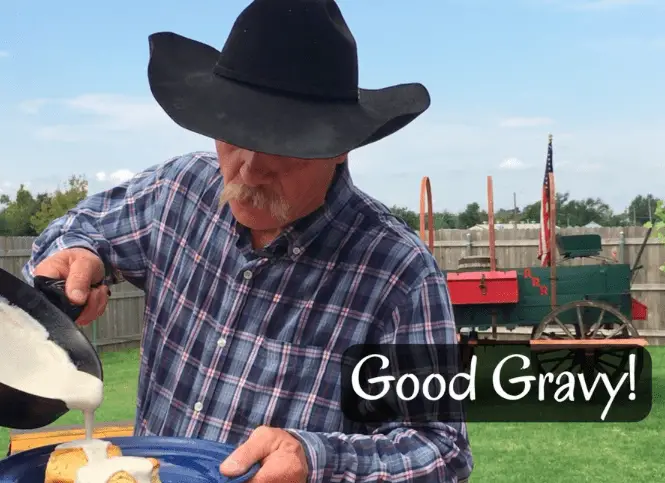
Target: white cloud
<point>513,164</point>
<point>109,114</point>
<point>32,106</point>
<point>4,54</point>
<point>60,132</point>
<point>106,133</point>
<point>517,122</point>
<point>116,176</point>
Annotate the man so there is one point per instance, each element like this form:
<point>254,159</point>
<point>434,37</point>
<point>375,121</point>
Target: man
<point>263,264</point>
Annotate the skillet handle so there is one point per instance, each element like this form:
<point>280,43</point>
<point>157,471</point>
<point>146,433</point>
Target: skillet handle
<point>54,290</point>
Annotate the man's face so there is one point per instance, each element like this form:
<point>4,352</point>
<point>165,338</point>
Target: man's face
<point>267,192</point>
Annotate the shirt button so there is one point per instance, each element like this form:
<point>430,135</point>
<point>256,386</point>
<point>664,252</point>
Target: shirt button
<point>198,406</point>
<point>297,250</point>
<point>221,342</point>
<point>247,274</point>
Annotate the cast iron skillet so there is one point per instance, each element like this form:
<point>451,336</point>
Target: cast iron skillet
<point>48,304</point>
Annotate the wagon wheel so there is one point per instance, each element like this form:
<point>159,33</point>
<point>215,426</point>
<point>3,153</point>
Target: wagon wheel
<point>466,349</point>
<point>586,319</point>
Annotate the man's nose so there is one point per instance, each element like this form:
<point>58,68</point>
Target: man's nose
<point>256,169</point>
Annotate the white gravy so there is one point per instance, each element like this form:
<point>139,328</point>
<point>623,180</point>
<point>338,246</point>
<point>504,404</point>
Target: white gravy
<point>33,364</point>
<point>100,472</point>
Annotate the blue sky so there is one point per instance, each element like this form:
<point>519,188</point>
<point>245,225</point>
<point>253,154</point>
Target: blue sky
<point>74,97</point>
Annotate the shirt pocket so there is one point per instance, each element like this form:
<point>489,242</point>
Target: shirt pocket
<point>284,385</point>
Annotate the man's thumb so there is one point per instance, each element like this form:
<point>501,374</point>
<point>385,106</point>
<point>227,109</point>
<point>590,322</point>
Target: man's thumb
<point>81,274</point>
<point>232,467</point>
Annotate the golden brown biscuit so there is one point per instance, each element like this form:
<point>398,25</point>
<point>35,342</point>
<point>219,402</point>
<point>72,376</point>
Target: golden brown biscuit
<point>125,469</point>
<point>68,458</point>
<point>125,477</point>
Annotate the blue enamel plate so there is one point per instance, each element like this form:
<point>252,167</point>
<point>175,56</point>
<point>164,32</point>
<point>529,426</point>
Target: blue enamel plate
<point>181,460</point>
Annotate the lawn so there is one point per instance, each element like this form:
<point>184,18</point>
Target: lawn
<point>120,378</point>
<point>503,452</point>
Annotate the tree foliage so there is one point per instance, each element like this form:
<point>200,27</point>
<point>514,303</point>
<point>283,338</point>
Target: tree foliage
<point>59,203</point>
<point>658,224</point>
<point>27,214</point>
<point>570,212</point>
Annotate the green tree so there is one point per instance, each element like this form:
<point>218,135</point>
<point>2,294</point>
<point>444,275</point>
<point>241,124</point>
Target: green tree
<point>506,215</point>
<point>471,216</point>
<point>445,220</point>
<point>570,212</point>
<point>658,225</point>
<point>59,203</point>
<point>410,217</point>
<point>641,209</point>
<point>18,212</point>
<point>582,212</point>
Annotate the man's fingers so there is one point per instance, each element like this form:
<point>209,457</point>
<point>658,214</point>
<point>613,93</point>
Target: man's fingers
<point>53,267</point>
<point>278,469</point>
<point>105,294</point>
<point>258,446</point>
<point>95,306</point>
<point>82,272</point>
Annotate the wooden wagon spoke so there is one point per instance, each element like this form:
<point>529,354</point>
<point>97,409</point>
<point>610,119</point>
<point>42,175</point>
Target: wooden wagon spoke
<point>561,361</point>
<point>569,356</point>
<point>613,362</point>
<point>623,326</point>
<point>610,353</point>
<point>580,322</point>
<point>561,324</point>
<point>600,361</point>
<point>597,325</point>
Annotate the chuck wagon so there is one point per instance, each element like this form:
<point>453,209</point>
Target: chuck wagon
<point>567,307</point>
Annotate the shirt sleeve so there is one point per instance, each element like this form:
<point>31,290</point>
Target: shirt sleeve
<point>115,224</point>
<point>431,452</point>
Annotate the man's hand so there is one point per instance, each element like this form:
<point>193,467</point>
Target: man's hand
<point>281,456</point>
<point>80,268</point>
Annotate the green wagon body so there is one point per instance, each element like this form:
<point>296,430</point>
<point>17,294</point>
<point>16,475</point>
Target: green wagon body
<point>606,283</point>
<point>521,297</point>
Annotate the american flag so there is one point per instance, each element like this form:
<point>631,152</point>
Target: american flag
<point>544,251</point>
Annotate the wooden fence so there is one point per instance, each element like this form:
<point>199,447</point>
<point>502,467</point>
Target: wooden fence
<point>121,324</point>
<point>519,248</point>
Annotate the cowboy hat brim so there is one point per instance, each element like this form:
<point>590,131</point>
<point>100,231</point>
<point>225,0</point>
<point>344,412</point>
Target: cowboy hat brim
<point>180,73</point>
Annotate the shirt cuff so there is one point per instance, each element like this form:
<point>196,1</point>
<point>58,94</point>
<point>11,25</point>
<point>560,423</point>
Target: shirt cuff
<point>315,451</point>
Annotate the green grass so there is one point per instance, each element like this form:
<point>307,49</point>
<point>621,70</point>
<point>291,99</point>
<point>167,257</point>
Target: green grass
<point>120,379</point>
<point>584,452</point>
<point>548,453</point>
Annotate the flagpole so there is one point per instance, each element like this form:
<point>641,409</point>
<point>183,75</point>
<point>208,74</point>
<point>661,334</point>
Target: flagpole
<point>490,223</point>
<point>552,220</point>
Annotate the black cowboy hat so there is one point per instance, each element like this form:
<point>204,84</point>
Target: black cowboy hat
<point>285,83</point>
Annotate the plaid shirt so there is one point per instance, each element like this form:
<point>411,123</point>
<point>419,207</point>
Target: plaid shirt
<point>235,338</point>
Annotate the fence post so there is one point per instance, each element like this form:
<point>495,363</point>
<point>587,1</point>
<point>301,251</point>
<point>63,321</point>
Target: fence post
<point>622,247</point>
